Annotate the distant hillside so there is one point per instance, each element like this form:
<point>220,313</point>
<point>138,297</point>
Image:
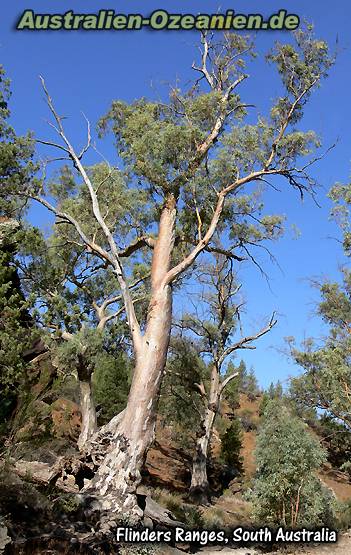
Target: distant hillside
<point>169,467</point>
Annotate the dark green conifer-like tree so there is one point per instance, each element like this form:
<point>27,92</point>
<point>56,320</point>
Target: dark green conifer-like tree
<point>15,170</point>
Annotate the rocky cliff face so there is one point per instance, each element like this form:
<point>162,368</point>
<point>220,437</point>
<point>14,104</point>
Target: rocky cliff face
<point>48,409</point>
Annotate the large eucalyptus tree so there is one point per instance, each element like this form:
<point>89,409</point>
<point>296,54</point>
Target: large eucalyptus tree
<point>192,161</point>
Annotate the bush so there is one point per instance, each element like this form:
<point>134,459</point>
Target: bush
<point>343,511</point>
<point>213,518</point>
<point>188,514</point>
<point>286,490</point>
<point>247,421</point>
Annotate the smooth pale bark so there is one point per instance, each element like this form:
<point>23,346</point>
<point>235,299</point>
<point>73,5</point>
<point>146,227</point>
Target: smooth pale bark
<point>87,407</point>
<point>199,487</point>
<point>118,476</point>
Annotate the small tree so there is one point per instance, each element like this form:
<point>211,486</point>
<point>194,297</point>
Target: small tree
<point>75,299</point>
<point>251,387</point>
<point>111,380</point>
<point>275,391</point>
<point>232,392</point>
<point>286,489</point>
<point>180,404</point>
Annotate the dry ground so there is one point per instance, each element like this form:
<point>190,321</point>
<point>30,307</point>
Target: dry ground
<point>343,547</point>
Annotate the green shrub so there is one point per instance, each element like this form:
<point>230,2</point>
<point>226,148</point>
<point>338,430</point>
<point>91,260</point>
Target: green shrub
<point>343,512</point>
<point>286,489</point>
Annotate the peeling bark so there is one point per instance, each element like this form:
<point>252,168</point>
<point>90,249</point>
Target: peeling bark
<point>199,487</point>
<point>87,406</point>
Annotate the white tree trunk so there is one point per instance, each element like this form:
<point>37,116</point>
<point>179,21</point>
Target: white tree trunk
<point>199,487</point>
<point>117,478</point>
<point>87,407</point>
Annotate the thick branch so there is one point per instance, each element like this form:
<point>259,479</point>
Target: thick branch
<point>190,258</point>
<point>139,243</point>
<point>114,257</point>
<point>201,389</point>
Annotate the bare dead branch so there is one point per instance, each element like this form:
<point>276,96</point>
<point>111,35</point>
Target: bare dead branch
<point>226,381</point>
<point>112,257</point>
<point>244,342</point>
<point>88,143</point>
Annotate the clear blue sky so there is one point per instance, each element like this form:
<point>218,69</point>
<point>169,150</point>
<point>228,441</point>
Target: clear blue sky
<point>85,71</point>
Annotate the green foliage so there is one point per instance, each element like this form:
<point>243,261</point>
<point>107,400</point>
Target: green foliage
<point>16,153</point>
<point>245,382</point>
<point>111,384</point>
<point>301,65</point>
<point>158,141</point>
<point>81,352</point>
<point>66,503</point>
<point>336,438</point>
<point>286,490</point>
<point>67,284</point>
<point>326,382</point>
<point>250,385</point>
<point>16,334</point>
<point>15,170</point>
<point>94,354</point>
<point>335,306</point>
<point>340,194</point>
<point>162,150</point>
<point>180,404</point>
<point>12,332</point>
<point>275,391</point>
<point>189,514</point>
<point>343,511</point>
<point>231,445</point>
<point>231,393</point>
